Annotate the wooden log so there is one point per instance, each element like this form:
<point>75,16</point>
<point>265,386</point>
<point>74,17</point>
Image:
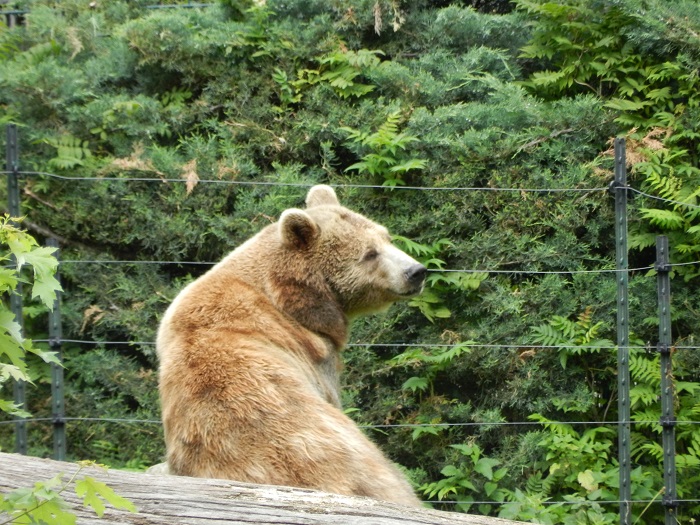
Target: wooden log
<point>166,500</point>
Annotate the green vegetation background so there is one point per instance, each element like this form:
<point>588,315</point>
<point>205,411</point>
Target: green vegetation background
<point>385,93</point>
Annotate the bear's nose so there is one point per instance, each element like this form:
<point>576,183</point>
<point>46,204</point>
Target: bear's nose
<point>416,274</point>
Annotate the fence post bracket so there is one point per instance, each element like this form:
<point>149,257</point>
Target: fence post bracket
<point>616,186</point>
<point>663,348</point>
<point>670,503</point>
<point>667,422</point>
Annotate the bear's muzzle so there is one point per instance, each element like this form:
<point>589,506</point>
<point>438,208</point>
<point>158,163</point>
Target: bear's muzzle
<point>415,276</point>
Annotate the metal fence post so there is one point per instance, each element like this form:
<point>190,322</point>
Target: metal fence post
<point>668,421</point>
<point>623,371</point>
<point>58,410</point>
<point>12,167</point>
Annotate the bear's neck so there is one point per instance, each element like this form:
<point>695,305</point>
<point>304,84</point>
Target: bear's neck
<point>293,288</point>
<point>313,308</point>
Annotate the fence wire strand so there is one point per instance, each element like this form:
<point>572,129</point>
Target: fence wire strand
<point>306,184</point>
<point>136,421</point>
<point>491,346</point>
<point>662,199</point>
<point>434,270</point>
<point>353,186</point>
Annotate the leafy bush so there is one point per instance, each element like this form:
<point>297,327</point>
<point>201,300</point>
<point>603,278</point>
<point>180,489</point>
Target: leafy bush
<point>184,131</point>
<point>602,48</point>
<point>20,249</point>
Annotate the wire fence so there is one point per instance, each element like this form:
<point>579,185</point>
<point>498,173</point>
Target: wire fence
<point>644,270</point>
<point>376,426</point>
<point>630,189</point>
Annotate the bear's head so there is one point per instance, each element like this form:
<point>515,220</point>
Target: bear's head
<point>349,260</point>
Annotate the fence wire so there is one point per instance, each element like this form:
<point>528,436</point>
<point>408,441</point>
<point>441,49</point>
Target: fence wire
<point>379,344</point>
<point>136,421</point>
<point>306,185</point>
<point>446,270</point>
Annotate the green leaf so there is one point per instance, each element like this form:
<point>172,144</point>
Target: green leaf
<point>412,164</point>
<point>53,512</point>
<point>490,488</point>
<point>451,471</point>
<point>93,492</point>
<point>668,219</point>
<point>45,289</point>
<point>419,431</point>
<point>8,279</point>
<point>45,355</point>
<point>416,383</point>
<point>12,409</point>
<point>659,94</point>
<point>546,78</point>
<point>10,326</point>
<point>12,371</point>
<point>485,467</point>
<point>587,481</point>
<point>625,105</point>
<point>45,284</point>
<point>465,483</point>
<point>11,342</point>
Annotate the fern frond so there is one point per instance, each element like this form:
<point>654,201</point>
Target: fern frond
<point>547,335</point>
<point>667,219</point>
<point>654,450</point>
<point>70,151</point>
<point>643,394</point>
<point>646,370</point>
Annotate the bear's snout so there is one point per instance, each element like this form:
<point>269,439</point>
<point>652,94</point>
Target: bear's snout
<point>415,275</point>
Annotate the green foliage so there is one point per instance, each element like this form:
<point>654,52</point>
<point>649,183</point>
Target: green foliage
<point>288,95</point>
<point>654,95</point>
<point>578,465</point>
<point>645,371</point>
<point>70,152</point>
<point>20,249</point>
<point>573,337</point>
<point>583,42</point>
<point>460,481</point>
<point>438,283</point>
<point>386,156</point>
<point>266,100</point>
<point>432,362</point>
<point>44,502</point>
<point>670,172</point>
<point>341,68</point>
<point>567,448</point>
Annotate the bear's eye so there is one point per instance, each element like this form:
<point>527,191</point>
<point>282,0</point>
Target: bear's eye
<point>370,255</point>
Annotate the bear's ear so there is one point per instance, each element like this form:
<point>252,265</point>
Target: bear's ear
<point>321,194</point>
<point>298,229</point>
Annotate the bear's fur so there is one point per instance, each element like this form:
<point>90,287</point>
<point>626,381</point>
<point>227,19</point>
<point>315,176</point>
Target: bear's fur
<point>250,355</point>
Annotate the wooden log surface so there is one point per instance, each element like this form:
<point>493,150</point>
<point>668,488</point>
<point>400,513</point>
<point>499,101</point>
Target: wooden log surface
<point>162,500</point>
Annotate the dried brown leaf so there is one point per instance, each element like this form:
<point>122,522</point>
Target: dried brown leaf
<point>189,173</point>
<point>91,315</point>
<point>135,162</point>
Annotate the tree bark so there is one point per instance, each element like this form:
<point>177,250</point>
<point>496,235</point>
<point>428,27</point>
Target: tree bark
<point>166,500</point>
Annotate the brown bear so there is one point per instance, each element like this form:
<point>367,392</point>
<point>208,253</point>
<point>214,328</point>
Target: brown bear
<point>250,355</point>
